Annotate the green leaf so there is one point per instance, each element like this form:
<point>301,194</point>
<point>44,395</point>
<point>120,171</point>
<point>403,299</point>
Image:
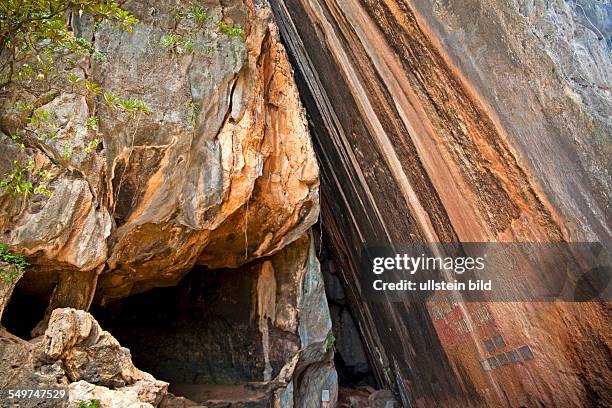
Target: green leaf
<point>92,123</point>
<point>168,40</point>
<point>198,14</point>
<point>231,30</point>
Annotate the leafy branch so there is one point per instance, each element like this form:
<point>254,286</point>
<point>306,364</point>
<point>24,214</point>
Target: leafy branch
<point>39,28</point>
<point>231,30</point>
<point>38,56</point>
<point>17,264</point>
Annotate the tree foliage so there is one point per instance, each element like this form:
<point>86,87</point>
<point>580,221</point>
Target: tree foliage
<point>41,28</point>
<point>39,60</point>
<point>16,264</point>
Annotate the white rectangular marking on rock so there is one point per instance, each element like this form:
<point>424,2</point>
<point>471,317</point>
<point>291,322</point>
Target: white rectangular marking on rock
<point>325,396</point>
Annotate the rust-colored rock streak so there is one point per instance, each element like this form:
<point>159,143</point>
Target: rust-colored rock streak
<point>429,131</point>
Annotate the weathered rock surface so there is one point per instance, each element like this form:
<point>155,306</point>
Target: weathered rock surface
<point>124,398</point>
<point>435,121</point>
<point>235,336</point>
<point>221,173</point>
<point>21,369</point>
<point>77,355</point>
<point>358,398</point>
<point>463,121</point>
<point>7,285</point>
<point>86,351</point>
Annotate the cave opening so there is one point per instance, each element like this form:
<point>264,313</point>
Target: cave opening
<point>351,359</point>
<point>28,304</point>
<point>201,335</point>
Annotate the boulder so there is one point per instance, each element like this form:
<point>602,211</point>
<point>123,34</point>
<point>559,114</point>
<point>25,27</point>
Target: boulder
<point>77,356</point>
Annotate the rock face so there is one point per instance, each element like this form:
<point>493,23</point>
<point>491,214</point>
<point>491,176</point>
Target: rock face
<point>75,349</point>
<point>221,173</point>
<point>87,353</point>
<point>463,121</point>
<point>444,121</point>
<point>83,391</point>
<point>251,334</point>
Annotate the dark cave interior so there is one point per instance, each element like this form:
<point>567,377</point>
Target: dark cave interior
<point>202,335</point>
<point>28,304</point>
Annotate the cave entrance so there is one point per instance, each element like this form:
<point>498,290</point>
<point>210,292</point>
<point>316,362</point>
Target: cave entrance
<point>201,336</point>
<point>204,337</point>
<point>28,303</point>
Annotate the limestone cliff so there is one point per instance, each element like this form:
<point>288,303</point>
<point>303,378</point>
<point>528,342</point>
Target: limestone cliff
<point>221,173</point>
<point>187,233</point>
